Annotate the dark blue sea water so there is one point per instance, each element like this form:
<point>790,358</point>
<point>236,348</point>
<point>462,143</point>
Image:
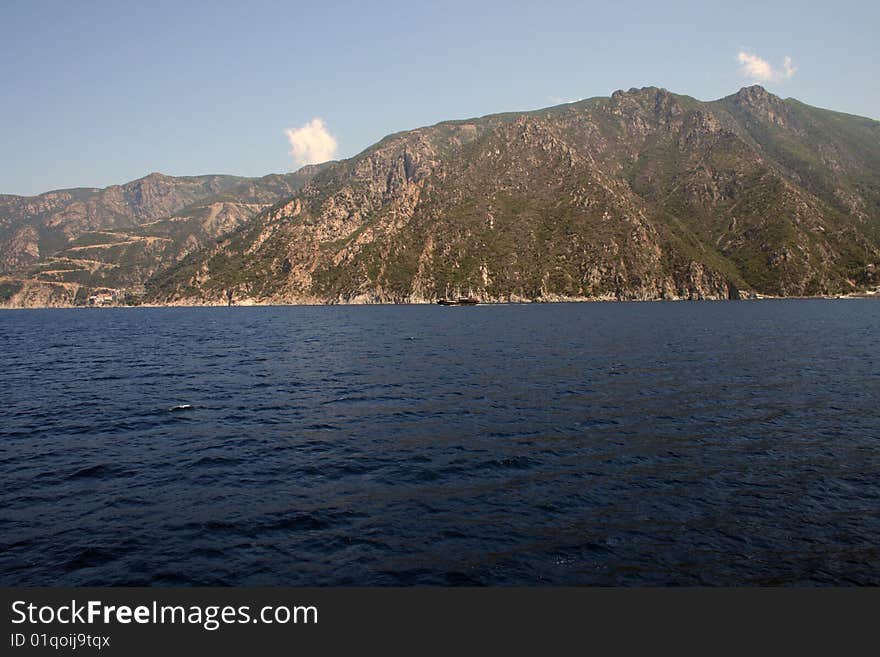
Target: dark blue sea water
<point>623,444</point>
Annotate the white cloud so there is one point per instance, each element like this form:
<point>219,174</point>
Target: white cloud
<point>758,69</point>
<point>311,143</point>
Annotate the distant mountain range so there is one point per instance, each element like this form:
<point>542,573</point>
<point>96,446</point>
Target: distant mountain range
<point>60,247</point>
<point>643,195</point>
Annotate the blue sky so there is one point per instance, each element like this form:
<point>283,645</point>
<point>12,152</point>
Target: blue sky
<point>97,93</point>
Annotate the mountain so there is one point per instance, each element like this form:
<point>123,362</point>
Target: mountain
<point>642,195</point>
<point>58,247</point>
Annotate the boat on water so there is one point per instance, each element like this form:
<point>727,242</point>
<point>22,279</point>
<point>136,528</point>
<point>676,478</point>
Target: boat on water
<point>461,301</point>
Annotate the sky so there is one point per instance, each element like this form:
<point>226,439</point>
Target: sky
<point>97,93</point>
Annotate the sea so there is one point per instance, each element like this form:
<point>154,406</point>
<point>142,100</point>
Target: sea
<point>624,444</point>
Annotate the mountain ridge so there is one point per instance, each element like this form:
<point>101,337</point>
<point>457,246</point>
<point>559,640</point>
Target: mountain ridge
<point>47,232</point>
<point>643,194</point>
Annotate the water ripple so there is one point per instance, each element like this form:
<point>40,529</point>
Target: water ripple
<point>611,444</point>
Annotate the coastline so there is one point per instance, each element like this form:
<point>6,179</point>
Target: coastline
<point>250,303</point>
